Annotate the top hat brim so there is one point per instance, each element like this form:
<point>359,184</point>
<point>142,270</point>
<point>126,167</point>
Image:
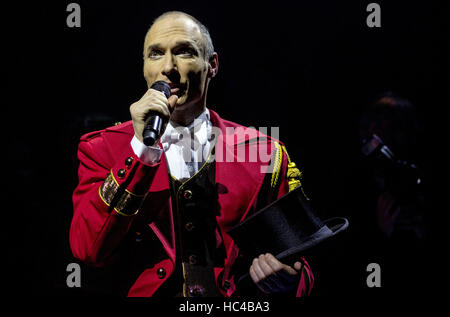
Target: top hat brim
<point>337,225</point>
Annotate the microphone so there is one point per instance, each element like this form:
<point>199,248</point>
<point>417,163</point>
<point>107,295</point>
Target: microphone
<point>153,125</point>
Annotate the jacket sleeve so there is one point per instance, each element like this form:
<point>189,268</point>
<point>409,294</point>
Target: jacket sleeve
<point>290,179</point>
<point>106,199</point>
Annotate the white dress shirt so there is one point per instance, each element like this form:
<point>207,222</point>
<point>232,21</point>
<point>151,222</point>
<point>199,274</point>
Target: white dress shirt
<point>186,148</point>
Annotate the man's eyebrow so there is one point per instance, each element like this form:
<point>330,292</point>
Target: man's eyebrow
<point>153,46</point>
<point>183,43</point>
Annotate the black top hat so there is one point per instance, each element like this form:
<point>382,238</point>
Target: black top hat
<point>286,228</point>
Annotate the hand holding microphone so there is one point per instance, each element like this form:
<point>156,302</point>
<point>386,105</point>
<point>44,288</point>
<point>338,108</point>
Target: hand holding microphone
<point>151,113</point>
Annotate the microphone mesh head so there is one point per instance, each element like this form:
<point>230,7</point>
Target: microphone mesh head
<point>162,86</point>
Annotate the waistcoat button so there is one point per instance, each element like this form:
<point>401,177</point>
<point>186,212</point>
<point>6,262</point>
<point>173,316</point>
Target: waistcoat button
<point>187,194</point>
<point>192,259</point>
<point>189,226</point>
<point>196,291</point>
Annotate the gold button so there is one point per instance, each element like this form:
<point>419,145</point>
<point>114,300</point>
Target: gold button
<point>129,161</point>
<point>121,173</point>
<point>187,194</point>
<point>161,273</point>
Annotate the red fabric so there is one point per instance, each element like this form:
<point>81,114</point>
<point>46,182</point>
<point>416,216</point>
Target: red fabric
<point>95,232</point>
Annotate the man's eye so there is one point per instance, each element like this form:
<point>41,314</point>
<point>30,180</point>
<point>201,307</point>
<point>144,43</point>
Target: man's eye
<point>155,54</point>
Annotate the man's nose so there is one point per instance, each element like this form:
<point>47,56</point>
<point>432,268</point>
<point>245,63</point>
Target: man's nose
<point>169,66</point>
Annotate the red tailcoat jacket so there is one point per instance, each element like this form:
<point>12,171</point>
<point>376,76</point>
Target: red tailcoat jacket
<point>97,231</point>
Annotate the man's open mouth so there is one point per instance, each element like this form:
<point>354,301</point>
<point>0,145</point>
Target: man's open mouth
<point>177,89</point>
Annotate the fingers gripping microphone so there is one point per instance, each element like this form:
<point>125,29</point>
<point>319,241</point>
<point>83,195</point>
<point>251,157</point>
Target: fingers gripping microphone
<point>154,124</point>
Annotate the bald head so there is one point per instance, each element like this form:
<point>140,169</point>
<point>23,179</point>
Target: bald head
<point>207,45</point>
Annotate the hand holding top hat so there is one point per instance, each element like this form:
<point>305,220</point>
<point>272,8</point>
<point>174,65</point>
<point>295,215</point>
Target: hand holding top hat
<point>285,229</point>
<point>272,276</point>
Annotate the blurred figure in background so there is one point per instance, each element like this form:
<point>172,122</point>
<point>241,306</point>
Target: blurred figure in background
<point>393,219</point>
<point>390,134</point>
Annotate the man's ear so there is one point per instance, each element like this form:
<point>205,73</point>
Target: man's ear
<point>213,65</point>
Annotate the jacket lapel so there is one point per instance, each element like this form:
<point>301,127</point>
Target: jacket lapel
<point>237,180</point>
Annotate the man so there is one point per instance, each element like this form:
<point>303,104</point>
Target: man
<point>399,189</point>
<point>164,210</point>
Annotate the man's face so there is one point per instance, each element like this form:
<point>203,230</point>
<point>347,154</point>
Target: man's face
<point>174,52</point>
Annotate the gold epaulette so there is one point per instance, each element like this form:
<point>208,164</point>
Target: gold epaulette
<point>293,174</point>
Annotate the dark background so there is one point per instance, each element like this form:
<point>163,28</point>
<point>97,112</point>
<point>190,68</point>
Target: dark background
<point>308,67</point>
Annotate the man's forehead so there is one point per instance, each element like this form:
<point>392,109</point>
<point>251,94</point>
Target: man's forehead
<point>175,25</point>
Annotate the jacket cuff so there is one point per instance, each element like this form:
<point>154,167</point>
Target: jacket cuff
<point>127,183</point>
<point>147,154</point>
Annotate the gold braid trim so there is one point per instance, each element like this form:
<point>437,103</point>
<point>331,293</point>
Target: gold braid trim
<point>277,167</point>
<point>108,189</point>
<point>127,204</point>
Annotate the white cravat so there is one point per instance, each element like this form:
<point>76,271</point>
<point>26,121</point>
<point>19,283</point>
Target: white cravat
<point>186,148</point>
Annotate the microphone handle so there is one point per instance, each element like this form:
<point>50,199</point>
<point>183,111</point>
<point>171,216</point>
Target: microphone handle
<point>152,130</point>
<point>154,124</point>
